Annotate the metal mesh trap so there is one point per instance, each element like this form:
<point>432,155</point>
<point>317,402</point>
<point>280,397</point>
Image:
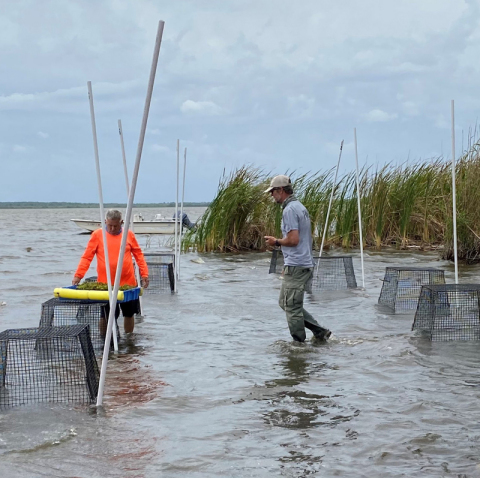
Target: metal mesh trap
<point>449,312</point>
<point>333,273</point>
<point>62,312</point>
<point>160,258</point>
<point>401,285</point>
<point>49,364</point>
<point>161,277</point>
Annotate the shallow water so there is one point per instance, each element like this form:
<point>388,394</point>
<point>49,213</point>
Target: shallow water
<point>211,384</point>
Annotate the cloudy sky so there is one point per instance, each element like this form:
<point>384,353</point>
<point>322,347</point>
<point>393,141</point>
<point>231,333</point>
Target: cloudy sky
<point>272,83</point>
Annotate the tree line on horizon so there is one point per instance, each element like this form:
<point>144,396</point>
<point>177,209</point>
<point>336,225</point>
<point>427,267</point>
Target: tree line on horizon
<point>71,205</point>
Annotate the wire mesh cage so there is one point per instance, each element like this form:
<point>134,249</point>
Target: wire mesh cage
<point>49,364</point>
<point>449,312</point>
<point>58,312</point>
<point>90,279</point>
<point>333,273</point>
<point>160,258</point>
<point>161,277</point>
<point>401,285</point>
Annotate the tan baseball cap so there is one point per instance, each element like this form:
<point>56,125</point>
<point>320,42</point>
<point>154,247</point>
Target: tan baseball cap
<point>279,182</point>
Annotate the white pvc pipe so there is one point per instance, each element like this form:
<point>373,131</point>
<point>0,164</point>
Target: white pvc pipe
<point>329,206</point>
<point>181,211</point>
<point>102,215</point>
<point>176,217</point>
<point>138,157</point>
<point>125,170</point>
<point>454,196</point>
<point>359,207</point>
<point>137,272</point>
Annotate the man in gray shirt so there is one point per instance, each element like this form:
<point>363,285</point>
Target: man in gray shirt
<point>296,246</point>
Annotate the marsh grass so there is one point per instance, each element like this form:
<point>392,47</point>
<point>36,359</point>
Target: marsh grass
<point>239,216</point>
<point>402,206</point>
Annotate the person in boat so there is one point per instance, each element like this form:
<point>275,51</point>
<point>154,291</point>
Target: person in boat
<point>114,229</point>
<point>296,245</point>
<point>185,220</point>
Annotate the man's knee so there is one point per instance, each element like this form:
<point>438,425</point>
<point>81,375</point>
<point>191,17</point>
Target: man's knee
<point>293,299</point>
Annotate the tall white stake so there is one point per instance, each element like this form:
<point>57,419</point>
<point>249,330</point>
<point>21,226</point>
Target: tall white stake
<point>122,145</point>
<point>329,207</point>
<point>137,272</point>
<point>181,211</point>
<point>102,215</point>
<point>359,207</point>
<point>176,217</point>
<point>118,274</point>
<point>454,196</point>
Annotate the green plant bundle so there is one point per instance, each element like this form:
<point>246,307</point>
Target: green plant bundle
<point>100,286</point>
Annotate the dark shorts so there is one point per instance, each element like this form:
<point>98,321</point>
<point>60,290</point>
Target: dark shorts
<point>129,309</point>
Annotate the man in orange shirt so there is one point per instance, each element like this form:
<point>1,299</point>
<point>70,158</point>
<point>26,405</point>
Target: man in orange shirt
<point>113,225</point>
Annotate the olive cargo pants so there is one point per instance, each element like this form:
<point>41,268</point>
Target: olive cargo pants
<point>291,301</point>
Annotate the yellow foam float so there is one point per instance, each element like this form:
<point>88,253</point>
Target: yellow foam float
<point>96,295</point>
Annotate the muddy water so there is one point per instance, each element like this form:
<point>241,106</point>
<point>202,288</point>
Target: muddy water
<point>211,384</point>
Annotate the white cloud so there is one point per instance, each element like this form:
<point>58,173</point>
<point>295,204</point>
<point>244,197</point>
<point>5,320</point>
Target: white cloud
<point>158,148</point>
<point>301,105</point>
<point>68,99</point>
<point>42,135</point>
<point>442,122</point>
<point>379,116</point>
<point>410,108</point>
<point>8,31</point>
<point>232,85</point>
<point>207,108</point>
<point>17,148</point>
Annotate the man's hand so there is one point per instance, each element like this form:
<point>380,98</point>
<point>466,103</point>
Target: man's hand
<point>270,240</point>
<point>145,281</point>
<point>76,280</point>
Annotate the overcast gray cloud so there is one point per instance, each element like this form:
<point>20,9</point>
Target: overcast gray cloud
<point>276,84</point>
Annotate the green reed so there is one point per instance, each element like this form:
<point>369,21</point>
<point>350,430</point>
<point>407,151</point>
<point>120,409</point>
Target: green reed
<point>401,206</point>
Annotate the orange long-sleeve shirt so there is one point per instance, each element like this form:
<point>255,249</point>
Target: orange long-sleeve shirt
<point>95,247</point>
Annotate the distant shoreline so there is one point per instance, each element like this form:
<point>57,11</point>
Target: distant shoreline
<point>89,205</point>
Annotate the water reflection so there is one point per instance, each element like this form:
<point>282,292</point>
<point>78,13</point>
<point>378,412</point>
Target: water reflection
<point>294,367</point>
<point>294,407</point>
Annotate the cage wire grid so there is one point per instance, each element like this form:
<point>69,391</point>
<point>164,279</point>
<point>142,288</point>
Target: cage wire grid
<point>59,312</point>
<point>49,364</point>
<point>401,286</point>
<point>332,273</point>
<point>161,272</point>
<point>160,258</point>
<point>161,267</point>
<point>449,312</point>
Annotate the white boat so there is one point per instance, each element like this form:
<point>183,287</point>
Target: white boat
<point>158,225</point>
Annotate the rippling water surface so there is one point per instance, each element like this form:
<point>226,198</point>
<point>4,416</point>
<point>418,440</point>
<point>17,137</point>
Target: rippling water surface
<point>211,384</point>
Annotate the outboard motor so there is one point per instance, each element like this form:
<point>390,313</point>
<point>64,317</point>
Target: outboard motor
<point>186,221</point>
